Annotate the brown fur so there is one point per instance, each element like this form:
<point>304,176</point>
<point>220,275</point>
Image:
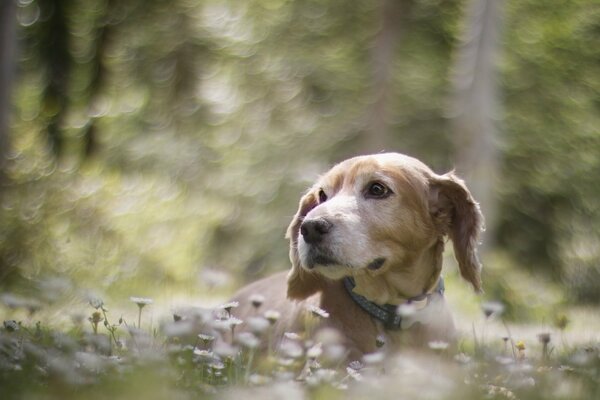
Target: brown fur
<point>406,229</point>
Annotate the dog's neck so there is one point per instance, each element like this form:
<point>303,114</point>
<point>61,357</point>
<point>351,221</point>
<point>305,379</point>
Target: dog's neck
<point>417,275</point>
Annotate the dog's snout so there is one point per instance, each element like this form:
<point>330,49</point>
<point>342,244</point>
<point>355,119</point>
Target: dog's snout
<point>313,230</point>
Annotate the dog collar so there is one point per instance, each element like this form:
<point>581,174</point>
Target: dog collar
<point>387,313</point>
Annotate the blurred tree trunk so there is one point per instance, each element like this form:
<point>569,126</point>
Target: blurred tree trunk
<point>474,107</point>
<point>7,64</point>
<point>382,57</point>
<point>98,79</point>
<point>56,57</point>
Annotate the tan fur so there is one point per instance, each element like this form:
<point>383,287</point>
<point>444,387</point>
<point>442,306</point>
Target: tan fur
<point>407,229</point>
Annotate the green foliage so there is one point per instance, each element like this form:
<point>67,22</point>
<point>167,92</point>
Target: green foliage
<point>549,195</point>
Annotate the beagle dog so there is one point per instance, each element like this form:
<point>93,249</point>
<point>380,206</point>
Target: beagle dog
<point>366,250</point>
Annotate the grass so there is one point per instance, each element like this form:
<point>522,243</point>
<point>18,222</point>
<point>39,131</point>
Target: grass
<point>105,356</point>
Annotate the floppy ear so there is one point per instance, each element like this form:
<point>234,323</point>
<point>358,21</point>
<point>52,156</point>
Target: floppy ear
<point>301,283</point>
<point>456,214</point>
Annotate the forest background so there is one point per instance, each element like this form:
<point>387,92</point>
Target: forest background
<point>159,149</point>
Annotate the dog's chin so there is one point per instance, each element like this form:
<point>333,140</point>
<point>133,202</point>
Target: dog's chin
<point>326,266</point>
<point>333,271</point>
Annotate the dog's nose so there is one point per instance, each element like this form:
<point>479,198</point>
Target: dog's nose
<point>313,230</point>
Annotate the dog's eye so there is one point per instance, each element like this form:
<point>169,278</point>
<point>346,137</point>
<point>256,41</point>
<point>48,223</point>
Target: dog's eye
<point>377,190</point>
<point>322,196</point>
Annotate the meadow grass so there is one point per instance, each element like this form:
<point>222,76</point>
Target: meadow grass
<point>105,356</point>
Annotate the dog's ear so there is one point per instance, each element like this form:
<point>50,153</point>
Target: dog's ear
<point>300,282</point>
<point>456,214</point>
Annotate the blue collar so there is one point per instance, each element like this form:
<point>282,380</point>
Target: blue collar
<point>386,313</point>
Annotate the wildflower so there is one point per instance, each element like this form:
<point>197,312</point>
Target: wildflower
<point>95,319</point>
<point>292,336</point>
<point>224,325</point>
<point>203,356</point>
<point>229,306</point>
<point>272,316</point>
<point>321,376</point>
<point>217,365</point>
<point>11,325</point>
<point>141,301</point>
<point>373,358</point>
<point>318,312</point>
<point>291,349</point>
<point>354,374</point>
<point>313,365</point>
<point>500,391</point>
<point>258,380</point>
<point>462,358</point>
<point>505,339</point>
<point>561,322</point>
<point>90,362</point>
<point>334,353</point>
<point>206,339</point>
<point>96,302</point>
<point>492,308</point>
<point>544,338</point>
<point>258,325</point>
<point>257,300</point>
<point>356,365</point>
<point>225,350</point>
<point>248,340</point>
<point>315,351</point>
<point>438,345</point>
<point>380,341</point>
<point>520,345</point>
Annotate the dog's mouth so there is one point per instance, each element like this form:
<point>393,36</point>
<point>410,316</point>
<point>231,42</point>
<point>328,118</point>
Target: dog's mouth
<point>319,258</point>
<point>314,259</point>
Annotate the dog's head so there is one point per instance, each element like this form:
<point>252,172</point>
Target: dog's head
<point>376,214</point>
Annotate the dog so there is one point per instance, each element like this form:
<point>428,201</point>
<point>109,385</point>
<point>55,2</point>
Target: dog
<point>366,250</point>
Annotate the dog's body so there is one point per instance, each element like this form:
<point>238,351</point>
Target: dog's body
<point>381,220</point>
<point>359,329</point>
